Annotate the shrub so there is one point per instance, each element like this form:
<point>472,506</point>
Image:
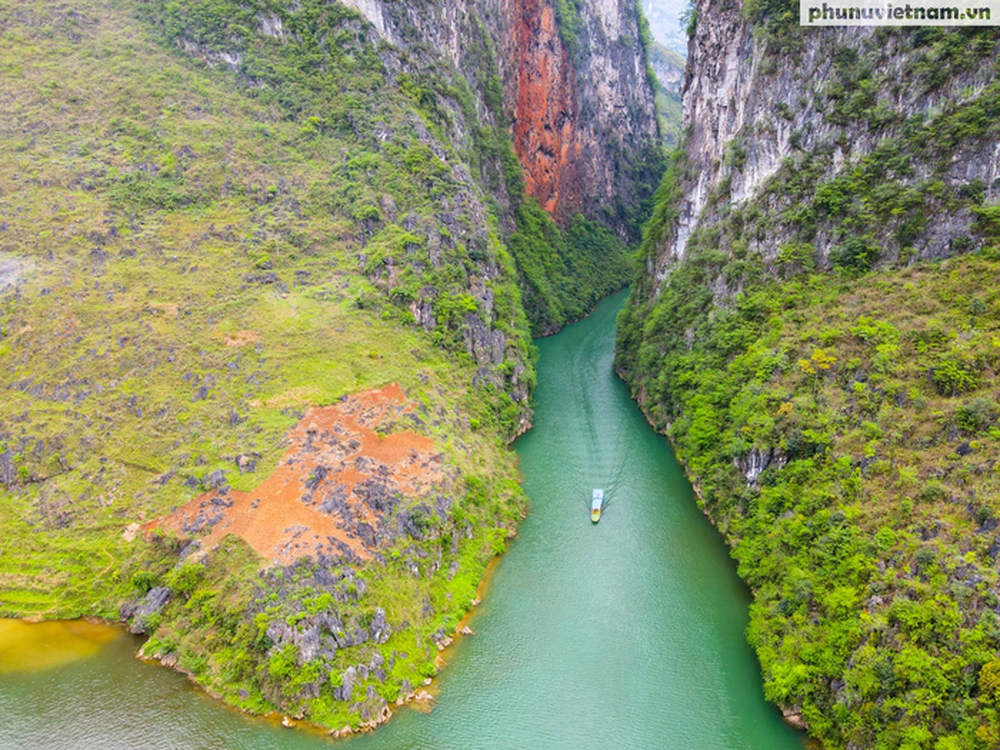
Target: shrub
<point>796,257</point>
<point>933,492</point>
<point>952,376</point>
<point>989,681</point>
<point>925,557</point>
<point>185,578</point>
<point>143,581</point>
<point>856,256</point>
<point>976,416</point>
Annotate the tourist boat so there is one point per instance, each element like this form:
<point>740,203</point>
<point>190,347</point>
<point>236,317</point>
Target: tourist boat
<point>596,504</point>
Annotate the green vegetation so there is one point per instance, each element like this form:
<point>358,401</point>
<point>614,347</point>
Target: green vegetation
<point>832,395</point>
<point>670,111</point>
<point>199,254</point>
<point>570,25</point>
<point>874,209</point>
<point>668,103</point>
<point>776,24</point>
<point>690,19</point>
<point>650,47</point>
<point>214,215</point>
<point>563,275</point>
<point>293,637</point>
<point>843,433</point>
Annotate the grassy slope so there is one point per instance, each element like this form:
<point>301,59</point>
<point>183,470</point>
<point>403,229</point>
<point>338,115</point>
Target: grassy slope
<point>144,199</point>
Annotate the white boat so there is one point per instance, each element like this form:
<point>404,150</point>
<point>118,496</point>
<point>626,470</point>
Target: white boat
<point>596,505</point>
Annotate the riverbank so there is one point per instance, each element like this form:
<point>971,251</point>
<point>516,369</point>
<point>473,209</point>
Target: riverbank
<point>792,715</point>
<point>627,634</point>
<point>37,647</point>
<point>844,451</point>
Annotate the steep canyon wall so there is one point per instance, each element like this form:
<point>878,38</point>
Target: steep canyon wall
<point>815,319</point>
<point>576,97</point>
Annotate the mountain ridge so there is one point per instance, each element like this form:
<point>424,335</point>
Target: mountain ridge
<point>810,325</point>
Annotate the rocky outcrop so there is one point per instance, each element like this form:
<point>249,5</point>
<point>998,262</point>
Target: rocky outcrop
<point>12,269</point>
<point>8,472</point>
<point>350,481</point>
<point>139,611</point>
<point>669,68</point>
<point>762,102</point>
<point>753,463</point>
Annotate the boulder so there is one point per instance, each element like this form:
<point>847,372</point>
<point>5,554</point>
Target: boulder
<point>215,479</point>
<point>139,611</point>
<point>379,628</point>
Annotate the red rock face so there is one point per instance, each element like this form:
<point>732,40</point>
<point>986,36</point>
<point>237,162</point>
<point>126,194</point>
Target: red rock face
<point>545,110</point>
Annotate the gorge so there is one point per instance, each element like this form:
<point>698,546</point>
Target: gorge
<point>625,634</point>
<point>274,281</point>
<point>270,275</point>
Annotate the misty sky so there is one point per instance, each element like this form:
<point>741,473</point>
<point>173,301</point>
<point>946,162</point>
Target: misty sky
<point>664,22</point>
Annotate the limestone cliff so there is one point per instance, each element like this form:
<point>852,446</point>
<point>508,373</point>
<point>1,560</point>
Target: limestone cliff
<point>764,99</point>
<point>576,96</point>
<point>814,323</point>
<point>669,68</point>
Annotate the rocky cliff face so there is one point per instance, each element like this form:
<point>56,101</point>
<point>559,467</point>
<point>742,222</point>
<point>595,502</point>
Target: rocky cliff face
<point>789,335</point>
<point>575,93</point>
<point>669,69</point>
<point>763,103</point>
<point>543,102</point>
<point>582,109</point>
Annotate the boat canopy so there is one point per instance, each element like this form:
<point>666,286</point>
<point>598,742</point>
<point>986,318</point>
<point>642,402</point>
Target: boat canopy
<point>597,500</point>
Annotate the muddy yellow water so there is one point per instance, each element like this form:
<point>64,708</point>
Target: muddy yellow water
<point>35,647</point>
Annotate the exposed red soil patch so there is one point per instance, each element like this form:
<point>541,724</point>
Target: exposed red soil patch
<point>346,470</point>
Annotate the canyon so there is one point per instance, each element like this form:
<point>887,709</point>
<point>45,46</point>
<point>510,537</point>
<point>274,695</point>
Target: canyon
<point>233,236</point>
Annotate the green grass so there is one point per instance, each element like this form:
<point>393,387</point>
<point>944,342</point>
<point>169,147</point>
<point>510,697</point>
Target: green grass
<point>157,208</point>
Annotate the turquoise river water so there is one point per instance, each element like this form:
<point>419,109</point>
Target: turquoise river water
<point>624,634</point>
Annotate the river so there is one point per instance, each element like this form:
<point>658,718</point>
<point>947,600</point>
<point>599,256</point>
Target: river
<point>624,634</point>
